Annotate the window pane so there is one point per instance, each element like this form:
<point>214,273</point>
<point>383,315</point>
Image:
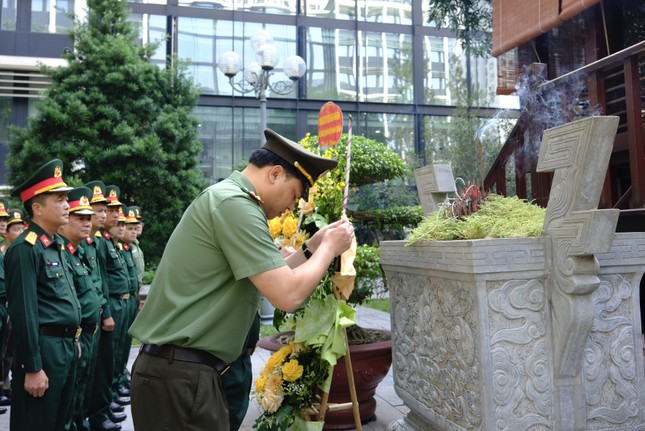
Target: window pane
<point>330,9</point>
<point>387,11</point>
<point>152,29</point>
<point>331,64</point>
<point>198,43</point>
<point>53,16</point>
<point>436,52</point>
<point>396,131</point>
<point>230,135</point>
<point>385,66</point>
<point>8,15</point>
<point>278,7</point>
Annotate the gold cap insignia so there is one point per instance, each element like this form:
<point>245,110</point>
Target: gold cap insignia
<point>97,190</point>
<point>58,172</point>
<point>16,215</point>
<point>113,193</point>
<point>84,201</point>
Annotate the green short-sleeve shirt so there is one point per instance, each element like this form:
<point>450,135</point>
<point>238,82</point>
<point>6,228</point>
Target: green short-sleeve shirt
<point>201,296</point>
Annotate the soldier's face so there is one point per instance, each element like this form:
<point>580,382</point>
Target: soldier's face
<point>53,210</point>
<point>130,232</point>
<point>100,215</point>
<point>14,232</point>
<point>112,217</point>
<point>118,230</point>
<point>78,228</point>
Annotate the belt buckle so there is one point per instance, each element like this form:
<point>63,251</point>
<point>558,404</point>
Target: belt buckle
<point>96,329</point>
<point>78,333</point>
<point>125,296</point>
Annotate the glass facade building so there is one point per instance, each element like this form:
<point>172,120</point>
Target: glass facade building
<point>379,60</point>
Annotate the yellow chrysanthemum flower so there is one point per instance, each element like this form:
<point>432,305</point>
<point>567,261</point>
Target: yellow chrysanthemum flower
<point>275,227</point>
<point>292,371</point>
<point>289,226</point>
<point>260,382</point>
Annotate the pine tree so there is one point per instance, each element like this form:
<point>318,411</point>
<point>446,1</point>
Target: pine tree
<point>111,114</point>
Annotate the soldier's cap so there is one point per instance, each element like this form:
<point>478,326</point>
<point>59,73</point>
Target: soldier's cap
<point>4,206</point>
<point>98,192</point>
<point>47,179</point>
<point>121,213</point>
<point>112,194</point>
<point>79,201</point>
<point>130,215</point>
<point>15,216</point>
<point>137,212</point>
<point>310,165</point>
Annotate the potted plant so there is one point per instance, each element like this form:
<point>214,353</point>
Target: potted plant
<point>370,349</point>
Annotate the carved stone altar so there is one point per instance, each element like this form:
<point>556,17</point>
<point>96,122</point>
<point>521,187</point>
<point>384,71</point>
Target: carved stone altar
<point>526,333</point>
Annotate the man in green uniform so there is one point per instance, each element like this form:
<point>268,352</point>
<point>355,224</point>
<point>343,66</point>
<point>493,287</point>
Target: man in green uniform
<point>137,253</point>
<point>100,395</point>
<point>4,314</point>
<point>217,264</point>
<point>43,307</point>
<point>76,232</point>
<point>118,283</point>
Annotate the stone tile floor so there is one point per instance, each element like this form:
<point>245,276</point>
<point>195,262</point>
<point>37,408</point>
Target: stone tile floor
<point>389,406</point>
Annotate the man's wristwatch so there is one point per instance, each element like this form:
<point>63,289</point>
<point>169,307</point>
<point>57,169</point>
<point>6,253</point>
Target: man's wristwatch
<point>306,250</point>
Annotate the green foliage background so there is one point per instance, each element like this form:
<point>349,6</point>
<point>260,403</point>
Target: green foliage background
<point>112,115</point>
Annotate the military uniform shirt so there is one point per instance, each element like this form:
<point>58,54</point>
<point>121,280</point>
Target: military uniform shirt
<point>117,273</point>
<point>201,296</point>
<point>85,291</point>
<point>97,273</point>
<point>40,292</point>
<point>139,260</point>
<point>126,252</point>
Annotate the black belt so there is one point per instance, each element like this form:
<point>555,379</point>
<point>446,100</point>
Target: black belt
<point>174,353</point>
<point>120,295</point>
<point>89,328</point>
<point>3,300</point>
<point>60,331</point>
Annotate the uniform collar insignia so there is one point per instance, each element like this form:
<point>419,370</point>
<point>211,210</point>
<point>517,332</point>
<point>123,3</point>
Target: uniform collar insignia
<point>71,248</point>
<point>45,240</point>
<point>89,240</point>
<point>107,235</point>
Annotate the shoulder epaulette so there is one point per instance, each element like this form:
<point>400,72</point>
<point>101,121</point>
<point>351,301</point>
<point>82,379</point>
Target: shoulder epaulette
<point>120,246</point>
<point>97,234</point>
<point>31,237</point>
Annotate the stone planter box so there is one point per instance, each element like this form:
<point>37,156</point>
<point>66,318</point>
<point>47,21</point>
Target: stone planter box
<point>473,338</point>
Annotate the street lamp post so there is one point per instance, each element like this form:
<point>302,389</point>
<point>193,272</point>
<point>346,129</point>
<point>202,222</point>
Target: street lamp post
<point>257,76</point>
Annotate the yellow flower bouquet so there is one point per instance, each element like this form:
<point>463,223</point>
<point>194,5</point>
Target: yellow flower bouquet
<point>287,385</point>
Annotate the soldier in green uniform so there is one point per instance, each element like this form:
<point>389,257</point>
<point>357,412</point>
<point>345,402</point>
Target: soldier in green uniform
<point>15,226</point>
<point>137,253</point>
<point>76,232</point>
<point>118,282</point>
<point>217,264</point>
<point>4,314</point>
<point>43,307</point>
<point>99,396</point>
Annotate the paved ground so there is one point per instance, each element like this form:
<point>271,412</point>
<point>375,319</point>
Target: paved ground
<point>389,405</point>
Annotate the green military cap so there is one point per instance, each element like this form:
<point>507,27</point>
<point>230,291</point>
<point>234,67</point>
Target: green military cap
<point>47,179</point>
<point>4,206</point>
<point>98,192</point>
<point>15,216</point>
<point>122,210</point>
<point>130,215</point>
<point>310,165</point>
<point>112,193</point>
<point>79,201</point>
<point>137,212</point>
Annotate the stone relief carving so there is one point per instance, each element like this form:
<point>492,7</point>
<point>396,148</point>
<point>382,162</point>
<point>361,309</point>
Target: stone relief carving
<point>436,360</point>
<point>520,356</point>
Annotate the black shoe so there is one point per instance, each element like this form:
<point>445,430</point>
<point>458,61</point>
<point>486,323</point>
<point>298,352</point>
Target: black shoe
<point>117,417</point>
<point>5,401</point>
<point>116,407</point>
<point>3,410</point>
<point>122,401</point>
<point>106,425</point>
<point>123,392</point>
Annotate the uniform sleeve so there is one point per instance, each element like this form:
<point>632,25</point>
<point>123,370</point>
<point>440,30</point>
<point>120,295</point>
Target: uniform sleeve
<point>21,277</point>
<point>243,235</point>
<point>101,257</point>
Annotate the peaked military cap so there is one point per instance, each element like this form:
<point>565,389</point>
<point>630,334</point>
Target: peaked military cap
<point>112,194</point>
<point>137,212</point>
<point>98,192</point>
<point>122,207</point>
<point>310,165</point>
<point>130,215</point>
<point>79,201</point>
<point>4,206</point>
<point>15,216</point>
<point>47,179</point>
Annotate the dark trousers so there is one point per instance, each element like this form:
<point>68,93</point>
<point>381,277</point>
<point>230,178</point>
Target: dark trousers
<point>176,396</point>
<point>101,395</point>
<point>84,376</point>
<point>120,313</point>
<point>53,411</point>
